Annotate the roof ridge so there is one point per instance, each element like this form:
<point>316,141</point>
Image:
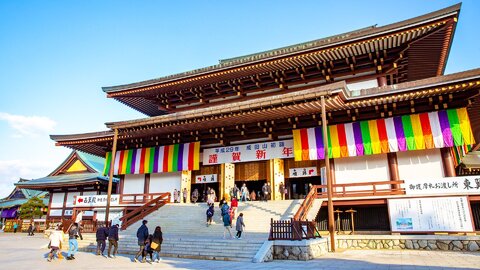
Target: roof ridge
<point>233,62</point>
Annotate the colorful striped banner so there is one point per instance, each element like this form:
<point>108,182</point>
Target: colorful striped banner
<point>169,158</point>
<point>400,133</point>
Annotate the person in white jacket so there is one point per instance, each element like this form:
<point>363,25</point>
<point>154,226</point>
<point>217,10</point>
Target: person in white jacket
<point>55,244</point>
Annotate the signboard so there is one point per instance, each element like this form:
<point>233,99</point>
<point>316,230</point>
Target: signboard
<point>436,214</point>
<point>248,152</point>
<point>207,178</point>
<point>303,172</point>
<point>96,200</point>
<point>447,185</point>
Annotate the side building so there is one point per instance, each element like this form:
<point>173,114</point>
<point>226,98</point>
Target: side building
<point>77,178</point>
<point>10,205</point>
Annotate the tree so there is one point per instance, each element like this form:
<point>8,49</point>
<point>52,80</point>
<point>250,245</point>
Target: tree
<point>31,209</point>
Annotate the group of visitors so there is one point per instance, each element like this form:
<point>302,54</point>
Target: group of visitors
<point>243,194</point>
<point>111,234</point>
<point>211,196</point>
<point>149,244</point>
<point>31,229</point>
<point>176,195</point>
<point>56,238</point>
<point>227,216</point>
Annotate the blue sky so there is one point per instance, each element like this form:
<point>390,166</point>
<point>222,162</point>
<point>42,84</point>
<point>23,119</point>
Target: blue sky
<point>56,55</point>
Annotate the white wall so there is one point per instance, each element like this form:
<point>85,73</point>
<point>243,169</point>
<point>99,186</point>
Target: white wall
<point>165,182</point>
<point>89,193</point>
<point>362,85</point>
<point>420,164</point>
<point>114,215</point>
<point>362,169</point>
<point>70,198</point>
<point>57,201</point>
<point>55,213</point>
<point>134,184</point>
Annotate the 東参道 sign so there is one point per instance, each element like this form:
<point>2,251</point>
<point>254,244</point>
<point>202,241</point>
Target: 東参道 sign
<point>248,152</point>
<point>447,185</point>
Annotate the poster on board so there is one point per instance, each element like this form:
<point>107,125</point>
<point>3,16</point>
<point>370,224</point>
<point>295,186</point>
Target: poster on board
<point>435,214</point>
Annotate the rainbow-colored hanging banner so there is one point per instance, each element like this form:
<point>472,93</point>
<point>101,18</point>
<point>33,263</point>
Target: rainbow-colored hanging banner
<point>458,152</point>
<point>169,158</point>
<point>401,133</point>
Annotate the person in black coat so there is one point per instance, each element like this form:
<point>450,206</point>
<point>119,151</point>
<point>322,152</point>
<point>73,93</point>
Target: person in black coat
<point>102,234</point>
<point>113,240</point>
<point>142,236</point>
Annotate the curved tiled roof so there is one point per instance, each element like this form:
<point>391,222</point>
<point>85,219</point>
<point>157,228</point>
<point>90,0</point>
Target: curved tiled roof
<point>291,50</point>
<point>65,180</point>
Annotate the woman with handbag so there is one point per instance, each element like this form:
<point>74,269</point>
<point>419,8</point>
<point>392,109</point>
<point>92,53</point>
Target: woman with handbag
<point>156,244</point>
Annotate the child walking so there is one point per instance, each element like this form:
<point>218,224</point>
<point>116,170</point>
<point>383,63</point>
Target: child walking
<point>148,248</point>
<point>239,226</point>
<point>55,244</point>
<point>210,212</point>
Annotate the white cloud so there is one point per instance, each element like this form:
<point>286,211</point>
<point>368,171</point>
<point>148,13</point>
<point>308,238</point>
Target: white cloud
<point>12,170</point>
<point>30,126</point>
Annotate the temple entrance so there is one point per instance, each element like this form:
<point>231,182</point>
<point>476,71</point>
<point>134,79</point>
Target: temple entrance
<point>202,189</point>
<point>255,186</point>
<point>298,188</point>
<point>253,174</point>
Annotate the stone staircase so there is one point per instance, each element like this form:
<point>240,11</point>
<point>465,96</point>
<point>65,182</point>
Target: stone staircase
<point>191,248</point>
<point>190,219</point>
<point>313,212</point>
<point>187,236</point>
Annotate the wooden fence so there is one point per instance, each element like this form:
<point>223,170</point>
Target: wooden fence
<point>292,230</point>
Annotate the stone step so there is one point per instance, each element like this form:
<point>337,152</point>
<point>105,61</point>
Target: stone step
<point>210,251</point>
<point>203,256</point>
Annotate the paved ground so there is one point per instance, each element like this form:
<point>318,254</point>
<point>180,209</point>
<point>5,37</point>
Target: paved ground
<point>22,252</point>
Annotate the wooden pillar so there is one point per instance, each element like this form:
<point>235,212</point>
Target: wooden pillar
<point>64,203</point>
<point>146,184</point>
<point>447,160</point>
<point>331,220</point>
<point>110,175</point>
<point>186,183</point>
<point>382,81</point>
<point>228,179</point>
<point>49,204</point>
<point>121,184</point>
<point>393,169</point>
<point>332,170</point>
<point>276,176</point>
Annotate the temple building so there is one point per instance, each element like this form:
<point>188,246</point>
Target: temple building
<point>9,206</point>
<point>397,126</point>
<point>79,175</point>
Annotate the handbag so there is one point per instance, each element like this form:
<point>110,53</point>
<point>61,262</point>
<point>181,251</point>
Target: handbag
<point>154,245</point>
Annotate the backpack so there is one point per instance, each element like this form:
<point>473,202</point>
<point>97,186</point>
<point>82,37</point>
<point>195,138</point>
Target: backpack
<point>225,209</point>
<point>209,212</point>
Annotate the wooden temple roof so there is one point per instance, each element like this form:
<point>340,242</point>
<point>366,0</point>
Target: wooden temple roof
<point>405,51</point>
<point>92,174</point>
<point>66,180</point>
<point>272,116</point>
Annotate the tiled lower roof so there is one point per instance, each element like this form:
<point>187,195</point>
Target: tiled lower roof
<point>66,179</point>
